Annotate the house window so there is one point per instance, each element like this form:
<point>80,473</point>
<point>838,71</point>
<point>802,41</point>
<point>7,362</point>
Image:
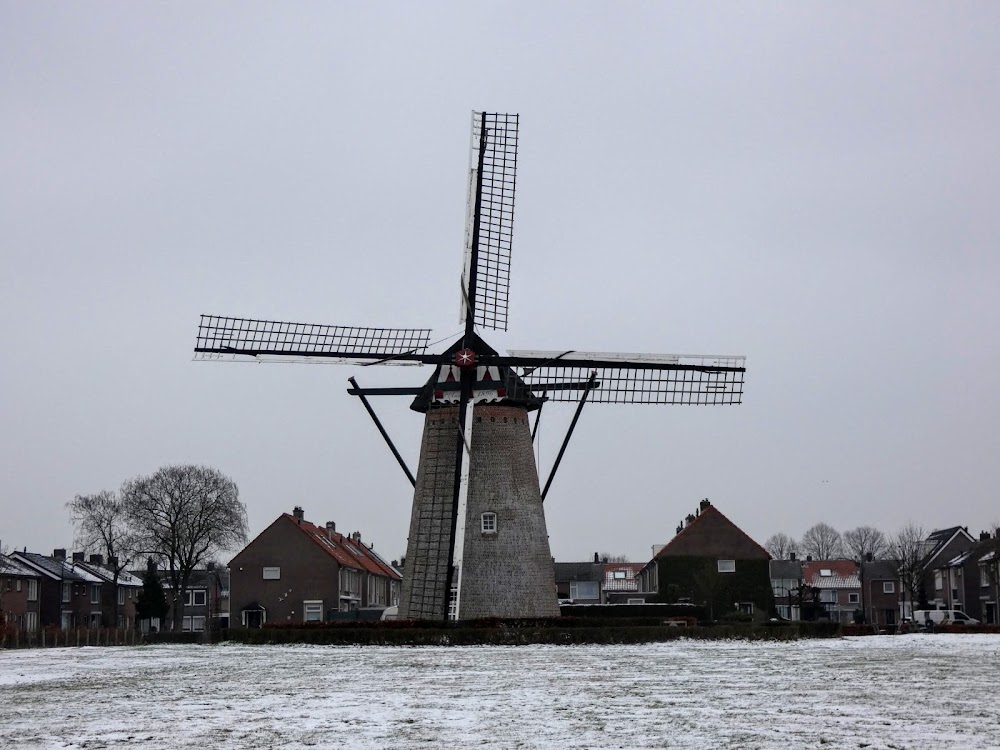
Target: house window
<point>33,590</point>
<point>31,621</point>
<point>67,592</point>
<point>584,590</point>
<point>194,598</point>
<point>18,584</point>
<point>95,619</point>
<point>888,587</point>
<point>619,575</point>
<point>727,566</point>
<point>853,598</point>
<point>312,611</point>
<point>272,574</point>
<point>489,523</point>
<point>121,596</point>
<point>828,596</point>
<point>984,576</point>
<point>193,625</point>
<point>825,572</point>
<point>938,583</point>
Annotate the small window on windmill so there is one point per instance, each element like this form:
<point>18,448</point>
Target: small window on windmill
<point>489,523</point>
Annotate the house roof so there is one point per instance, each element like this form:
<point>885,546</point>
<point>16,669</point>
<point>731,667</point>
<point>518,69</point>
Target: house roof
<point>831,574</point>
<point>578,571</point>
<point>60,570</point>
<point>711,534</point>
<point>785,569</point>
<point>879,570</point>
<point>124,577</point>
<point>346,551</point>
<point>938,540</point>
<point>629,583</point>
<point>10,566</point>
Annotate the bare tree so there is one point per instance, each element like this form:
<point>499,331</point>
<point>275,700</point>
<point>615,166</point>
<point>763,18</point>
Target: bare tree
<point>184,516</point>
<point>781,546</point>
<point>609,558</point>
<point>823,542</point>
<point>906,550</point>
<point>864,541</point>
<point>101,527</point>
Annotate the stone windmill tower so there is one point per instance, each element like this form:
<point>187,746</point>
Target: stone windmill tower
<point>478,544</point>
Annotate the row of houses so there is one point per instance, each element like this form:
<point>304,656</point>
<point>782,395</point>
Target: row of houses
<point>297,571</point>
<point>711,562</point>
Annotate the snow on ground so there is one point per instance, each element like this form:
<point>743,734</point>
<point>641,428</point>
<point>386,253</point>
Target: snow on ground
<point>916,691</point>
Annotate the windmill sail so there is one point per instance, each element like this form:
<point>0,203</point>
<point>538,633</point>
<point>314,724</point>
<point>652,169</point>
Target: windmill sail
<point>489,220</point>
<point>225,338</point>
<point>633,378</point>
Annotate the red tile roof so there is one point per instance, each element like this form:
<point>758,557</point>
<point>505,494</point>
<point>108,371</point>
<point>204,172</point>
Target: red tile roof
<point>843,574</point>
<point>344,550</point>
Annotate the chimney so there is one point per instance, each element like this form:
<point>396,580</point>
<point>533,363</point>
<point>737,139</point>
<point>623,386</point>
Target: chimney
<point>402,562</point>
<point>809,558</point>
<point>680,528</point>
<point>77,557</point>
<point>984,536</point>
<point>791,555</point>
<point>703,504</point>
<point>59,554</point>
<point>331,529</point>
<point>597,558</point>
<point>690,518</point>
<point>300,515</point>
<point>97,560</point>
<point>869,556</point>
<point>356,537</point>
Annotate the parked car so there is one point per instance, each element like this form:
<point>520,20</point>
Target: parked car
<point>943,617</point>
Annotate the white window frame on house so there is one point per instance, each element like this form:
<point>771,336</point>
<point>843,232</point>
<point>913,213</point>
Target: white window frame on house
<point>31,621</point>
<point>619,575</point>
<point>193,624</point>
<point>938,580</point>
<point>271,573</point>
<point>828,596</point>
<point>18,586</point>
<point>312,610</point>
<point>888,587</point>
<point>984,575</point>
<point>67,591</point>
<point>853,598</point>
<point>726,566</point>
<point>32,590</point>
<point>121,596</point>
<point>488,522</point>
<point>192,597</point>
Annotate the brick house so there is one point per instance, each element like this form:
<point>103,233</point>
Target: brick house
<point>70,596</point>
<point>711,561</point>
<point>839,585</point>
<point>621,583</point>
<point>941,547</point>
<point>117,598</point>
<point>579,582</point>
<point>295,571</point>
<point>881,593</point>
<point>988,570</point>
<point>19,600</point>
<point>786,583</point>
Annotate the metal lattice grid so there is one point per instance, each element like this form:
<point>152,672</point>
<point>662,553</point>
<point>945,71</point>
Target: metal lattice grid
<point>497,180</point>
<point>219,337</point>
<point>647,385</point>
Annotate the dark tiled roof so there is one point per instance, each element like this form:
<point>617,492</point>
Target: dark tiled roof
<point>58,569</point>
<point>785,569</point>
<point>579,571</point>
<point>879,570</point>
<point>345,550</point>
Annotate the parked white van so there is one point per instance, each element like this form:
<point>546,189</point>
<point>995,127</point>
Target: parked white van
<point>943,617</point>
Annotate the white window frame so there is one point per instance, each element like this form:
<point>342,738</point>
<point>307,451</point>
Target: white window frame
<point>938,580</point>
<point>853,598</point>
<point>271,573</point>
<point>121,596</point>
<point>32,590</point>
<point>726,566</point>
<point>67,591</point>
<point>312,607</point>
<point>31,621</point>
<point>984,575</point>
<point>195,595</point>
<point>574,589</point>
<point>18,585</point>
<point>888,587</point>
<point>488,522</point>
<point>619,575</point>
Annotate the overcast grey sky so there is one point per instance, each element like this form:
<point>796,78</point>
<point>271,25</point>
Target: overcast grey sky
<point>813,185</point>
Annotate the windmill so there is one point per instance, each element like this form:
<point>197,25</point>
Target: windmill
<point>478,544</point>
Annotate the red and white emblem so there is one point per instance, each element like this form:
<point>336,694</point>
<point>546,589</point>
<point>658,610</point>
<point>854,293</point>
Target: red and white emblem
<point>465,358</point>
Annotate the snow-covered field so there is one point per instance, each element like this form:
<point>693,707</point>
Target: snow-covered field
<point>916,691</point>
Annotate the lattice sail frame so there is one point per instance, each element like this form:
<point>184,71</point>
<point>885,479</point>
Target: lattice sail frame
<point>249,339</point>
<point>495,185</point>
<point>682,379</point>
